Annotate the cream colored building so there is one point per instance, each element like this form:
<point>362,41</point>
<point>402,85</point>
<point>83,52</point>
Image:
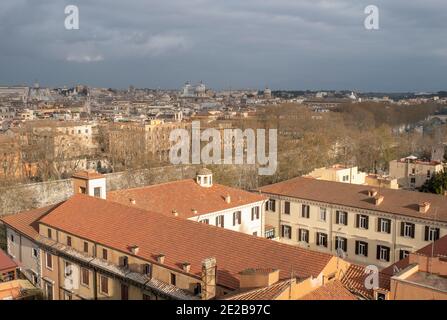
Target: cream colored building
<point>359,223</point>
<point>412,173</point>
<point>339,173</point>
<point>93,248</point>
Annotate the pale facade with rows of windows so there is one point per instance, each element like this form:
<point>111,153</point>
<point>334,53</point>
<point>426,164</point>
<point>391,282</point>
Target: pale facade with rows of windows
<point>359,235</point>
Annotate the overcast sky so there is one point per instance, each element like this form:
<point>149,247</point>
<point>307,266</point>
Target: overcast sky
<point>287,44</point>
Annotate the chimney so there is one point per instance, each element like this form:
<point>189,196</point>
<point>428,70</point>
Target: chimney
<point>194,211</point>
<point>135,249</point>
<point>372,193</point>
<point>161,258</point>
<point>228,198</point>
<point>257,278</point>
<point>378,199</point>
<point>209,278</point>
<point>175,213</point>
<point>132,201</point>
<point>186,266</point>
<point>424,207</point>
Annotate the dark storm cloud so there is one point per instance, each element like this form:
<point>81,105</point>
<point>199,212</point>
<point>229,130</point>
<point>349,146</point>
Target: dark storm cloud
<point>295,44</point>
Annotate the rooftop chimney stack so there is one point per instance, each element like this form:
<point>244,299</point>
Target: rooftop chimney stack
<point>209,275</point>
<point>228,198</point>
<point>378,199</point>
<point>161,258</point>
<point>372,193</point>
<point>186,266</point>
<point>424,207</point>
<point>134,249</point>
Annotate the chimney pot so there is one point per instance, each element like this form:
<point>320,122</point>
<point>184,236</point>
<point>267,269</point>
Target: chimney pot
<point>132,201</point>
<point>424,207</point>
<point>378,199</point>
<point>372,193</point>
<point>135,249</point>
<point>186,266</point>
<point>228,199</point>
<point>161,258</point>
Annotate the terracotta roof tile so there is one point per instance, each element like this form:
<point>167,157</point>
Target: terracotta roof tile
<point>183,196</point>
<point>333,290</point>
<point>265,293</point>
<point>181,240</point>
<point>395,201</point>
<point>6,262</point>
<point>25,222</point>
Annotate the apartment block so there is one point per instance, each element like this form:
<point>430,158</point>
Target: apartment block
<point>93,248</point>
<point>201,200</point>
<point>412,173</point>
<point>359,223</point>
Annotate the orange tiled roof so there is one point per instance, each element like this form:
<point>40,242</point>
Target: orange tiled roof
<point>6,262</point>
<point>119,226</point>
<point>354,280</point>
<point>88,174</point>
<point>183,196</point>
<point>333,290</point>
<point>395,201</point>
<point>264,293</point>
<point>25,222</point>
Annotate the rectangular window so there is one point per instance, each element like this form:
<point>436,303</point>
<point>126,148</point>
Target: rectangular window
<point>407,229</point>
<point>254,213</point>
<point>270,205</point>
<point>104,254</point>
<point>49,260</point>
<point>362,221</point>
<point>124,292</point>
<point>85,277</point>
<point>147,269</point>
<point>220,221</point>
<point>146,297</point>
<point>69,241</point>
<point>237,217</point>
<point>270,234</point>
<point>85,247</point>
<point>104,284</point>
<point>12,238</point>
<point>431,233</point>
<point>286,232</point>
<point>205,221</point>
<point>383,253</point>
<point>341,217</point>
<point>403,254</point>
<point>341,244</point>
<point>67,269</point>
<point>322,214</point>
<point>173,279</point>
<point>322,239</point>
<point>361,248</point>
<point>97,192</point>
<point>49,233</point>
<point>303,235</point>
<point>428,174</point>
<point>82,190</point>
<point>287,207</point>
<point>49,290</point>
<point>35,253</point>
<point>384,225</point>
<point>305,211</point>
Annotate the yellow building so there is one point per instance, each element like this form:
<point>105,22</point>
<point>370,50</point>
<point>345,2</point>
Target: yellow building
<point>359,223</point>
<point>93,248</point>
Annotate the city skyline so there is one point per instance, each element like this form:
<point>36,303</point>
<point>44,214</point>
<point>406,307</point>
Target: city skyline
<point>315,45</point>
